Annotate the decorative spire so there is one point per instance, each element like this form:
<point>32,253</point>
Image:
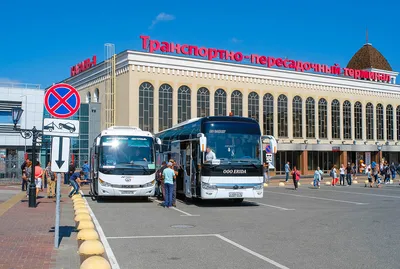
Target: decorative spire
<point>366,35</point>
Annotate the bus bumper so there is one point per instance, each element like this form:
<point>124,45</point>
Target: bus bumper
<point>110,191</point>
<point>222,193</point>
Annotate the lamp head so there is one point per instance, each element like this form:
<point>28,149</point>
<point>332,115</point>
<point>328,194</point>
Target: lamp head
<point>16,115</point>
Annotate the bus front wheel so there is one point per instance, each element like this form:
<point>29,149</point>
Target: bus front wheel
<point>237,201</point>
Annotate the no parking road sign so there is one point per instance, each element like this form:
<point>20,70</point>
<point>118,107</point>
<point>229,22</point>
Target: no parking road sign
<point>62,100</point>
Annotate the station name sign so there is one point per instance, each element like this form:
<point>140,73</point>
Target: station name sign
<point>152,46</point>
<point>83,66</point>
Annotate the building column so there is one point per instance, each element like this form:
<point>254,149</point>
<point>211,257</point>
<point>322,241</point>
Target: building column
<point>290,116</point>
<point>341,123</point>
<point>384,125</point>
<point>353,123</point>
<point>303,118</point>
<point>212,100</point>
<point>228,101</point>
<point>245,102</point>
<point>316,120</point>
<point>304,162</point>
<point>275,117</point>
<point>329,120</point>
<point>193,102</point>
<point>343,158</point>
<point>175,104</point>
<point>375,125</point>
<point>156,106</point>
<point>395,123</point>
<point>364,122</point>
<point>261,113</point>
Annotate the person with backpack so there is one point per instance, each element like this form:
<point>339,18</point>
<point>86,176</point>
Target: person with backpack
<point>51,181</point>
<point>296,177</point>
<point>333,174</point>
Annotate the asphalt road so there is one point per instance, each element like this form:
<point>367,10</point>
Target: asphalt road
<point>333,227</point>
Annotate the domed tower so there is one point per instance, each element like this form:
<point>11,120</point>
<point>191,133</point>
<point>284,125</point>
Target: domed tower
<point>370,59</point>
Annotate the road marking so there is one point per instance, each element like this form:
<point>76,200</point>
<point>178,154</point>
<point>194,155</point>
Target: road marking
<point>176,209</point>
<point>110,254</point>
<point>205,235</point>
<point>274,206</point>
<point>360,193</point>
<point>251,252</point>
<point>318,198</point>
<point>160,236</point>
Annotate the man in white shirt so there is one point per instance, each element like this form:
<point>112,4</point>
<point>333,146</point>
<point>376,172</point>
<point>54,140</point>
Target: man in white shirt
<point>210,155</point>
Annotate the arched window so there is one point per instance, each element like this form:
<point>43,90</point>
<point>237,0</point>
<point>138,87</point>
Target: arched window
<point>310,117</point>
<point>88,97</point>
<point>389,122</point>
<point>358,118</point>
<point>268,114</point>
<point>236,103</point>
<point>220,103</point>
<point>165,107</point>
<point>379,122</point>
<point>254,107</point>
<point>369,116</point>
<point>398,122</point>
<point>335,108</point>
<point>323,118</point>
<point>97,95</point>
<point>184,108</point>
<point>146,103</point>
<point>347,119</point>
<point>297,117</point>
<point>203,102</point>
<point>282,116</point>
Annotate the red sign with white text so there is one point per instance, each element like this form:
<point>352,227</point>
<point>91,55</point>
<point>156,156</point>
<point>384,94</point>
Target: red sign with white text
<point>83,66</point>
<point>211,53</point>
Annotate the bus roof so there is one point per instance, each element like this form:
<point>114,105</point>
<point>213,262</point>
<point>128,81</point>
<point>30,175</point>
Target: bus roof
<point>125,130</point>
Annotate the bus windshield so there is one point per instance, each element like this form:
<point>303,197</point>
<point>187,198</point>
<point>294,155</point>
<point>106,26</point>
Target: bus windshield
<point>132,152</point>
<point>234,141</point>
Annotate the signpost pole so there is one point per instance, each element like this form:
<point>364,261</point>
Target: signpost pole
<point>57,225</point>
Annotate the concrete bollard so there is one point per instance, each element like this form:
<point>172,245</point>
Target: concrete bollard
<point>281,184</point>
<point>312,183</point>
<point>78,201</point>
<point>79,206</point>
<point>86,234</point>
<point>77,197</point>
<point>391,181</point>
<point>81,217</point>
<point>328,183</point>
<point>95,262</point>
<point>355,182</point>
<point>366,183</point>
<point>90,248</point>
<point>298,184</point>
<point>81,210</point>
<point>85,224</point>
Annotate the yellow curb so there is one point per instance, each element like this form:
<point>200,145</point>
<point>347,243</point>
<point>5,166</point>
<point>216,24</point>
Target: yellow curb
<point>81,210</point>
<point>95,262</point>
<point>5,206</point>
<point>82,216</point>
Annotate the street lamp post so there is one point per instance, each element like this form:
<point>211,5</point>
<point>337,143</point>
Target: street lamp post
<point>27,134</point>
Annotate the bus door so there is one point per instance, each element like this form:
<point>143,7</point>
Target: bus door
<point>196,164</point>
<point>187,168</point>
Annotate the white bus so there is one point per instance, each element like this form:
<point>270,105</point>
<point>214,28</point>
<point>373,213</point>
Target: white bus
<point>236,172</point>
<point>123,162</point>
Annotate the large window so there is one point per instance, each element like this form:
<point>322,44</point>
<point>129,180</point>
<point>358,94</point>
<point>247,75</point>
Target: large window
<point>146,117</point>
<point>335,108</point>
<point>220,103</point>
<point>88,97</point>
<point>254,107</point>
<point>236,103</point>
<point>282,116</point>
<point>358,118</point>
<point>379,122</point>
<point>323,118</point>
<point>268,114</point>
<point>203,102</point>
<point>184,107</point>
<point>297,117</point>
<point>347,119</point>
<point>165,109</point>
<point>310,117</point>
<point>370,121</point>
<point>398,122</point>
<point>389,122</point>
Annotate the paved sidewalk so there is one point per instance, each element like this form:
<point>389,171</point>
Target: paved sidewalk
<point>27,234</point>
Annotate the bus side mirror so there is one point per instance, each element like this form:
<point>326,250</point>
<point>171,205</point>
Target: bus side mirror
<point>98,141</point>
<point>203,142</point>
<point>158,141</point>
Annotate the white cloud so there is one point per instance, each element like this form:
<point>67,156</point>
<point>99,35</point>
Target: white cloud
<point>162,17</point>
<point>235,40</point>
<point>8,81</point>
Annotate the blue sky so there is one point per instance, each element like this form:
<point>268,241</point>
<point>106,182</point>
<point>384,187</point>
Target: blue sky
<point>42,39</point>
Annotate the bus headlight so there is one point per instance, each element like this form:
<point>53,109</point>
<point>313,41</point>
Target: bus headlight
<point>150,184</point>
<point>103,183</point>
<point>207,186</point>
<point>258,187</point>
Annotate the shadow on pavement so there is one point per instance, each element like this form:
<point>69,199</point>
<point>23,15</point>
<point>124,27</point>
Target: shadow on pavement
<point>218,203</point>
<point>65,231</point>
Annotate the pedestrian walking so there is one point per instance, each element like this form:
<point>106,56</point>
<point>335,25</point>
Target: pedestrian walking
<point>333,174</point>
<point>168,178</point>
<point>28,174</point>
<point>393,170</point>
<point>73,180</point>
<point>160,188</point>
<point>38,177</point>
<point>386,173</point>
<point>86,169</point>
<point>266,172</point>
<point>369,175</point>
<point>318,177</point>
<point>287,171</point>
<point>176,172</point>
<point>349,170</point>
<point>342,174</point>
<point>24,183</point>
<point>51,181</point>
<point>296,177</point>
